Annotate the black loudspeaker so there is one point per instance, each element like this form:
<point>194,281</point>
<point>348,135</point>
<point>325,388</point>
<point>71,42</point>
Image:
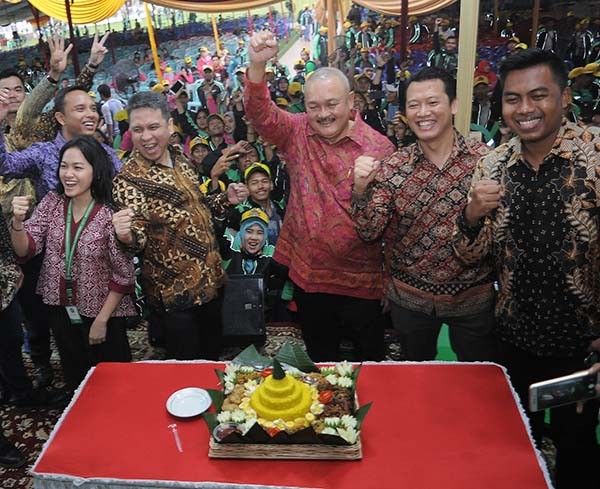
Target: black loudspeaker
<point>244,306</point>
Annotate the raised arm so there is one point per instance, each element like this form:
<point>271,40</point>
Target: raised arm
<point>272,123</point>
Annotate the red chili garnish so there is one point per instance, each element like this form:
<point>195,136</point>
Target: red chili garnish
<point>325,396</point>
<point>273,431</point>
<point>266,372</point>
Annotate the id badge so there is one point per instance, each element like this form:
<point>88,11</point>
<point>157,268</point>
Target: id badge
<point>73,314</point>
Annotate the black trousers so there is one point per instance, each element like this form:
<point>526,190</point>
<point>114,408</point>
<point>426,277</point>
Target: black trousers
<point>13,377</point>
<point>35,313</point>
<point>574,435</point>
<point>194,333</point>
<point>470,336</point>
<point>77,356</point>
<point>327,318</point>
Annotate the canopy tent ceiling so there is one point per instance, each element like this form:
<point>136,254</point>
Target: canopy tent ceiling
<point>389,7</point>
<point>91,11</point>
<point>14,12</point>
<point>82,11</point>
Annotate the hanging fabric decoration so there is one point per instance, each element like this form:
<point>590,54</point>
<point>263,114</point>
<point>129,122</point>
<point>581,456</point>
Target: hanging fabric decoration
<point>82,11</point>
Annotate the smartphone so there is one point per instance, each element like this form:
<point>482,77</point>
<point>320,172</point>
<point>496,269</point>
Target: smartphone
<point>563,390</point>
<point>178,85</point>
<point>377,94</point>
<point>391,112</point>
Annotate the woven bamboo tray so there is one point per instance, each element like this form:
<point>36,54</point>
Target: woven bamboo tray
<point>280,451</point>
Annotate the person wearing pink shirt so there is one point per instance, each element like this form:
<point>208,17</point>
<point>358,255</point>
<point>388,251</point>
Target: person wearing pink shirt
<point>338,277</point>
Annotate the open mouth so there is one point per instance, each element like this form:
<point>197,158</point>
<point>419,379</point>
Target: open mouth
<point>425,125</point>
<point>528,124</point>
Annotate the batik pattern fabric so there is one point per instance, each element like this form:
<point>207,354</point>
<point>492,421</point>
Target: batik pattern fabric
<point>99,264</point>
<point>544,238</point>
<point>9,270</point>
<point>318,242</point>
<point>173,230</point>
<point>31,124</point>
<point>414,204</point>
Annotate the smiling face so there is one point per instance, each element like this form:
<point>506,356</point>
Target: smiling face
<point>16,92</point>
<point>229,124</point>
<point>533,104</point>
<point>150,134</point>
<point>76,174</point>
<point>216,127</point>
<point>428,109</point>
<point>260,186</point>
<point>254,238</point>
<point>80,116</point>
<point>328,108</point>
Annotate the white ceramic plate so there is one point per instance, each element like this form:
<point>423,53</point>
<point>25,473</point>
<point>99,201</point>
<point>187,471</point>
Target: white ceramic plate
<point>188,402</point>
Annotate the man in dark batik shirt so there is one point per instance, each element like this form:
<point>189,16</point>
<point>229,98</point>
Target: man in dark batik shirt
<point>412,200</point>
<point>534,209</point>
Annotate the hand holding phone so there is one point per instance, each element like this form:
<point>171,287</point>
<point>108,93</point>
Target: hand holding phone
<point>569,389</point>
<point>178,85</point>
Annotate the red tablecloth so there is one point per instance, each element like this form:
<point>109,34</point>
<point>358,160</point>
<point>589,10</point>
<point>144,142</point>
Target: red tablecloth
<point>431,425</point>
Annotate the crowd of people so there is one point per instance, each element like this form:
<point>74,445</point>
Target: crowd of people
<point>345,186</point>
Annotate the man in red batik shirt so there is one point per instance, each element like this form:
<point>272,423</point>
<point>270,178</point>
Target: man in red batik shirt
<point>338,277</point>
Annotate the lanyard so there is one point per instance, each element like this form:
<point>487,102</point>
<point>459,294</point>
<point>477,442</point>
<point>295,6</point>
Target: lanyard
<point>70,247</point>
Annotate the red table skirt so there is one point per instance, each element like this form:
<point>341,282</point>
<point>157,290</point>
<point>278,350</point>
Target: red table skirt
<point>430,426</point>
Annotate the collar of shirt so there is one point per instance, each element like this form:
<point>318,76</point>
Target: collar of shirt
<point>356,133</point>
<point>461,147</point>
<point>59,140</point>
<point>175,156</point>
<point>563,147</point>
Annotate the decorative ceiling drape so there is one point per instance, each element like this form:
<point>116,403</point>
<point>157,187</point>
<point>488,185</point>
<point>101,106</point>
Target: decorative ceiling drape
<point>82,11</point>
<point>389,7</point>
<point>214,6</point>
<point>92,11</point>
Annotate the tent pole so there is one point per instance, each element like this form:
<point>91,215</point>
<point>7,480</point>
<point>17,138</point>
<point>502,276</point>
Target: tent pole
<point>535,22</point>
<point>73,40</point>
<point>496,17</point>
<point>467,46</point>
<point>330,28</point>
<point>403,28</point>
<point>293,13</point>
<point>153,43</point>
<point>216,34</point>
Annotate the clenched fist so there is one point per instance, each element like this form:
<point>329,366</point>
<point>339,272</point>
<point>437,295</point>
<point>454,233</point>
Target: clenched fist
<point>485,197</point>
<point>20,207</point>
<point>365,168</point>
<point>263,46</point>
<point>122,222</point>
<point>237,193</point>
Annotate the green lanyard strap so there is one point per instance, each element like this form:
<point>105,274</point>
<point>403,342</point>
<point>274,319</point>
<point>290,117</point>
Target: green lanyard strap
<point>70,247</point>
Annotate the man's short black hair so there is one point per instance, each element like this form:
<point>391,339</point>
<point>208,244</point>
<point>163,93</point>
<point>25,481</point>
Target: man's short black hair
<point>10,72</point>
<point>148,100</point>
<point>534,57</point>
<point>433,73</point>
<point>104,90</point>
<point>59,100</point>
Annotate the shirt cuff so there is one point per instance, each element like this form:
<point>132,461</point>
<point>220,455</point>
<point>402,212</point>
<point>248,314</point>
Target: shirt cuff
<point>361,201</point>
<point>469,231</point>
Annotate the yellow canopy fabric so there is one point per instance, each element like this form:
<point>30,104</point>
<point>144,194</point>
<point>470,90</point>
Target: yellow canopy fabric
<point>82,11</point>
